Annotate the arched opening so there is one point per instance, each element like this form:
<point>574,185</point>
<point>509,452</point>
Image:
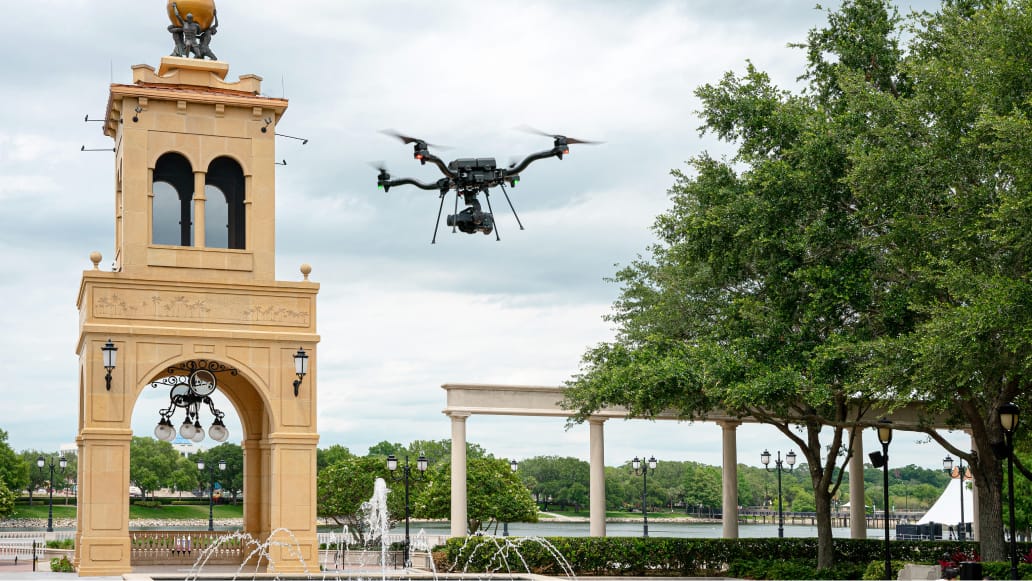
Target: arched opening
<point>224,219</point>
<point>233,393</point>
<point>172,205</point>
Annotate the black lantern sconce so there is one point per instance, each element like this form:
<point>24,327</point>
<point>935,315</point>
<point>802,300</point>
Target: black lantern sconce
<point>110,357</point>
<point>300,367</point>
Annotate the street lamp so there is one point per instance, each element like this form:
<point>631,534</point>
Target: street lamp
<point>211,489</point>
<point>40,462</point>
<point>881,460</point>
<point>790,460</point>
<point>642,470</point>
<point>947,465</point>
<point>1009,421</point>
<point>513,466</point>
<point>406,472</point>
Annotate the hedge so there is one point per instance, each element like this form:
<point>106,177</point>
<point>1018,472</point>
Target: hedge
<point>614,556</point>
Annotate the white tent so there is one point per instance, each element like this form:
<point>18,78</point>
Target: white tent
<point>946,510</point>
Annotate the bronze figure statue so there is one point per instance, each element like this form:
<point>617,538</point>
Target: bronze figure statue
<point>189,38</point>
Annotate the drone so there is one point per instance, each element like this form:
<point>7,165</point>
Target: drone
<point>470,177</point>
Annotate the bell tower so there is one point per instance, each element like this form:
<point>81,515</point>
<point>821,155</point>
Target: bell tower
<point>193,287</point>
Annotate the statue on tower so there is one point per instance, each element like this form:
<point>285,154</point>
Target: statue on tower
<point>192,33</point>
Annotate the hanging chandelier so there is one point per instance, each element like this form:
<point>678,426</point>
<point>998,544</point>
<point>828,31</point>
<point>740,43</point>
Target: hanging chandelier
<point>191,385</point>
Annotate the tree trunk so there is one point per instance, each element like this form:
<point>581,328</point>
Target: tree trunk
<point>825,546</point>
<point>988,474</point>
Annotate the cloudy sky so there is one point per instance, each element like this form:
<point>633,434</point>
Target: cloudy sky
<point>398,316</point>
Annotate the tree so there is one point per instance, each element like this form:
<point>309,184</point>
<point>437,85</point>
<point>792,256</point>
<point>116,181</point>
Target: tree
<point>345,485</point>
<point>14,470</point>
<point>943,178</point>
<point>151,463</point>
<point>565,480</point>
<point>40,478</point>
<point>232,478</point>
<point>497,496</point>
<point>332,455</point>
<point>7,497</point>
<point>758,298</point>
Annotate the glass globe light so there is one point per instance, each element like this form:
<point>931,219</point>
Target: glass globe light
<point>198,435</point>
<point>186,430</point>
<point>218,431</point>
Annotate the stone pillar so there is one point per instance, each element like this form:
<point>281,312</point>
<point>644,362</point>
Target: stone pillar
<point>597,485</point>
<point>198,210</point>
<point>729,477</point>
<point>857,508</point>
<point>458,474</point>
<point>102,520</point>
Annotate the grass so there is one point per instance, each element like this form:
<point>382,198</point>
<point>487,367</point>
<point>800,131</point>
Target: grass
<point>167,512</point>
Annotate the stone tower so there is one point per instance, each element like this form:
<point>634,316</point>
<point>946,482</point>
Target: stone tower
<point>193,287</point>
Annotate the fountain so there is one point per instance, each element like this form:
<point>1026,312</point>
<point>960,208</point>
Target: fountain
<point>498,552</point>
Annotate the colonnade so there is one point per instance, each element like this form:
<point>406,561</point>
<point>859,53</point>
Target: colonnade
<point>465,400</point>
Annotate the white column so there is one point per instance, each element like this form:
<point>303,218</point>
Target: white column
<point>857,510</point>
<point>458,474</point>
<point>729,478</point>
<point>597,485</point>
<point>974,501</point>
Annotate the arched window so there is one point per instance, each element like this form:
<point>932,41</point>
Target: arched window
<point>172,207</point>
<point>224,224</point>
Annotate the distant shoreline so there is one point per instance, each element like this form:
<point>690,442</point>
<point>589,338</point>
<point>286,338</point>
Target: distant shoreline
<point>69,523</point>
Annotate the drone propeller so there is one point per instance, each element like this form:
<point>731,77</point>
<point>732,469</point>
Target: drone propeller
<point>559,139</point>
<point>406,139</point>
<point>384,177</point>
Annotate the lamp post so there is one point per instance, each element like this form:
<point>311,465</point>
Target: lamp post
<point>211,489</point>
<point>406,473</point>
<point>947,465</point>
<point>790,459</point>
<point>642,469</point>
<point>40,462</point>
<point>1009,421</point>
<point>881,460</point>
<point>513,466</point>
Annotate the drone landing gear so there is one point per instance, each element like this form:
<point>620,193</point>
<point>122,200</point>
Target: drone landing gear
<point>438,222</point>
<point>511,207</point>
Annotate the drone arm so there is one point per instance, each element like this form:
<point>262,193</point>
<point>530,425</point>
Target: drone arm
<point>440,164</point>
<point>411,182</point>
<point>513,171</point>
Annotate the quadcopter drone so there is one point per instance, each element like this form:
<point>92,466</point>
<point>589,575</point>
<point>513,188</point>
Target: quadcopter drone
<point>470,177</point>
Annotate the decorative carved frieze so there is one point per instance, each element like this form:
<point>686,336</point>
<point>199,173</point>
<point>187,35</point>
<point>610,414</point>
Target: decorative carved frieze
<point>211,307</point>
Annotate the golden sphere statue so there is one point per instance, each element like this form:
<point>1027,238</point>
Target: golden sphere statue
<point>203,11</point>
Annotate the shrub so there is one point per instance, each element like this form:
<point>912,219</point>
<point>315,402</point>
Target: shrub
<point>61,544</point>
<point>61,565</point>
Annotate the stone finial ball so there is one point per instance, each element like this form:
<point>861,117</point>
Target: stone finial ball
<point>306,269</point>
<point>95,258</point>
<point>203,11</point>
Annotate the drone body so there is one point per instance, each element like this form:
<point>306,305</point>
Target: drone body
<point>470,177</point>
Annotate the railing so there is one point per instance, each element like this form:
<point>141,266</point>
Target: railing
<point>24,549</point>
<point>332,540</point>
<point>183,547</point>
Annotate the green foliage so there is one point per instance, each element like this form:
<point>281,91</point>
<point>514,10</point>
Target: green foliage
<point>152,463</point>
<point>793,558</point>
<point>61,565</point>
<point>330,456</point>
<point>231,480</point>
<point>61,544</point>
<point>343,487</point>
<point>498,495</point>
<point>7,497</point>
<point>14,470</point>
